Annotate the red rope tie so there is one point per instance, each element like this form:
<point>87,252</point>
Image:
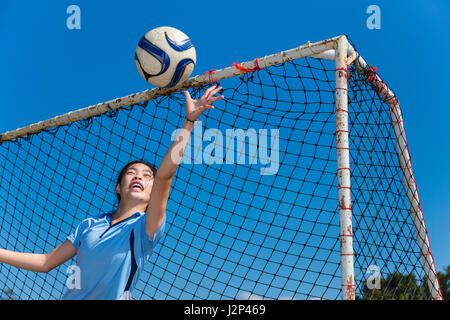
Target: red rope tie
<point>392,99</point>
<point>426,254</point>
<point>342,69</point>
<point>210,74</point>
<point>383,88</point>
<point>373,72</point>
<point>244,69</point>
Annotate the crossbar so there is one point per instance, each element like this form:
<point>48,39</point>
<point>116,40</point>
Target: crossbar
<point>306,50</point>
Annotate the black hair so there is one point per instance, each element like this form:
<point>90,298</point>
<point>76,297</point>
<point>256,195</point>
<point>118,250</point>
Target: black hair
<point>129,164</point>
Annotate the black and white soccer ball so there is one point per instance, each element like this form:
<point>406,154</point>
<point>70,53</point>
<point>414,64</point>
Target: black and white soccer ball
<point>165,57</point>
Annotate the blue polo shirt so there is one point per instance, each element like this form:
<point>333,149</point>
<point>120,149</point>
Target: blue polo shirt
<point>109,257</point>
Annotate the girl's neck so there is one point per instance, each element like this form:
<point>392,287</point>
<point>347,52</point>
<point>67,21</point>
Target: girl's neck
<point>127,210</point>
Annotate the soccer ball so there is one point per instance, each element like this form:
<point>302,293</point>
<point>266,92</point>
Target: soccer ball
<point>165,57</point>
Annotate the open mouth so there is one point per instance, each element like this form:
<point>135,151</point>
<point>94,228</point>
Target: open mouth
<point>137,186</point>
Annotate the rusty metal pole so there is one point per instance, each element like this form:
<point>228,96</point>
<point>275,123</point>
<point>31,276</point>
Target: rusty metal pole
<point>343,171</point>
<point>413,197</point>
<point>408,176</point>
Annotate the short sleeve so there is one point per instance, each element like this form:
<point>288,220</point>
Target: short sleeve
<point>145,245</point>
<point>75,237</point>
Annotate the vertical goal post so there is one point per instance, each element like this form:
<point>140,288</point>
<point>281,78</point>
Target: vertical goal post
<point>340,51</point>
<point>343,171</point>
<point>409,180</point>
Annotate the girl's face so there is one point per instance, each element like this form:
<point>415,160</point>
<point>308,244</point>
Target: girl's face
<point>136,184</point>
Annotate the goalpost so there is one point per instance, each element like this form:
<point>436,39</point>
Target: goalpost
<point>329,197</point>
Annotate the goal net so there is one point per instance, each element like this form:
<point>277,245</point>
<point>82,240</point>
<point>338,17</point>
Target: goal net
<point>298,185</point>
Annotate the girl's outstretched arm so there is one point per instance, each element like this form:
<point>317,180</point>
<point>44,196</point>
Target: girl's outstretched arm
<point>39,262</point>
<point>156,210</point>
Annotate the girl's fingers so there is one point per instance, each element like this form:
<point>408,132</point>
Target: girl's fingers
<point>205,102</point>
<point>208,91</point>
<point>219,88</point>
<point>213,93</point>
<point>211,100</point>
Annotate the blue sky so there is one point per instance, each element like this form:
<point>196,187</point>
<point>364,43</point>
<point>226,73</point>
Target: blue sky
<point>47,69</point>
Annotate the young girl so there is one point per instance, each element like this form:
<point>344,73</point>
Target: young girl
<point>112,247</point>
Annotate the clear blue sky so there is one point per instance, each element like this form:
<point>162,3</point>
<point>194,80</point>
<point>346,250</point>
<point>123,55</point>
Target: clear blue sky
<point>47,69</point>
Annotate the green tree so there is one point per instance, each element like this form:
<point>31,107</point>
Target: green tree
<point>444,280</point>
<point>8,294</point>
<point>396,286</point>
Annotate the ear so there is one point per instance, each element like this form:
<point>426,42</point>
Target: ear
<point>118,188</point>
